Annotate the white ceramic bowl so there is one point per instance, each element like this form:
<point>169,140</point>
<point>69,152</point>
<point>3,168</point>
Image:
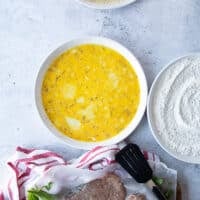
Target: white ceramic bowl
<point>104,6</point>
<point>151,121</point>
<point>123,51</point>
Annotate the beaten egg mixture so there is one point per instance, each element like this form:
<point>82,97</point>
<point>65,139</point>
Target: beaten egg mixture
<point>90,93</point>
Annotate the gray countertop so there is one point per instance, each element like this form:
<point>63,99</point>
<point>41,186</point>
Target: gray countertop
<point>157,31</point>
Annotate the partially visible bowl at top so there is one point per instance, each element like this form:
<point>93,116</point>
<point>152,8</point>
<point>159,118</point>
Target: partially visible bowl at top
<point>43,97</point>
<point>106,4</point>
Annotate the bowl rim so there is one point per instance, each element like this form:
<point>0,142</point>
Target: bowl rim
<point>126,54</point>
<point>187,159</point>
<point>104,6</point>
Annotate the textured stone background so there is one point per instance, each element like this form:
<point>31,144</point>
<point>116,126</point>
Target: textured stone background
<point>157,31</point>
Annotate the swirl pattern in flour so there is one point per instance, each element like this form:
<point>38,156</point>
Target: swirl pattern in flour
<point>176,106</point>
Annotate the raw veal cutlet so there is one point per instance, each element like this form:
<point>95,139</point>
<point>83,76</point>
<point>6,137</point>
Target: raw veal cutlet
<point>136,197</point>
<point>109,187</point>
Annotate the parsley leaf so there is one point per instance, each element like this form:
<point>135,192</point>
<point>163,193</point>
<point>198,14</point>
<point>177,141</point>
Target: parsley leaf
<point>158,181</point>
<point>38,193</point>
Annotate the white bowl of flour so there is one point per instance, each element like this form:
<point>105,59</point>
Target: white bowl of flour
<point>106,4</point>
<point>174,108</point>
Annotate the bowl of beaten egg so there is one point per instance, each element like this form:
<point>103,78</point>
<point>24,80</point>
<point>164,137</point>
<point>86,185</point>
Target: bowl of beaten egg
<point>90,92</point>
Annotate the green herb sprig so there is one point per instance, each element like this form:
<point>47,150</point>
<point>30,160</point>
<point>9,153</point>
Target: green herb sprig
<point>39,193</point>
<point>159,182</point>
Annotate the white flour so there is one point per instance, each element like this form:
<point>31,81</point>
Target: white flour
<point>176,107</point>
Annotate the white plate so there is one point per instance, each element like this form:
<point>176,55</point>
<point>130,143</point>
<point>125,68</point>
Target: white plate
<point>152,123</point>
<point>111,5</point>
<point>123,51</point>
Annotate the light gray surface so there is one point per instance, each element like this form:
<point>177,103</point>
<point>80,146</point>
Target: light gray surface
<point>155,30</point>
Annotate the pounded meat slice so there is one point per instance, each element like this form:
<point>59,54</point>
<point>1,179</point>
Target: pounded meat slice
<point>109,187</point>
<point>136,197</point>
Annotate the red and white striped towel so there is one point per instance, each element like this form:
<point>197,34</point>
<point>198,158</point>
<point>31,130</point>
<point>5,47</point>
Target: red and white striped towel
<point>32,166</point>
